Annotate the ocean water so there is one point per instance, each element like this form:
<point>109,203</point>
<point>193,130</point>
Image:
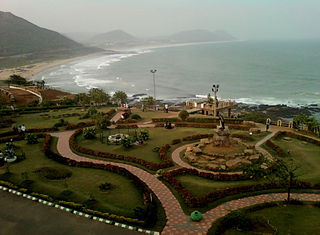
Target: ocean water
<point>253,72</point>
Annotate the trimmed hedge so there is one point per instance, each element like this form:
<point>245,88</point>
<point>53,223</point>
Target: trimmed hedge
<point>116,169</point>
<point>199,120</point>
<point>19,137</point>
<point>30,130</point>
<point>79,125</point>
<point>242,136</point>
<point>167,162</point>
<point>276,148</point>
<point>194,201</point>
<point>127,126</point>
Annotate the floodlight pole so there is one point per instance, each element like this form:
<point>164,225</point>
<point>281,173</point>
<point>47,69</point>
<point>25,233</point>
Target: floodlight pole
<point>153,71</point>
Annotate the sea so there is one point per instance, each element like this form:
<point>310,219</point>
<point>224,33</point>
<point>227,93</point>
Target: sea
<point>251,72</point>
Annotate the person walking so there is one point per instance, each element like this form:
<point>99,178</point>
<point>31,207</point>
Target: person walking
<point>267,126</point>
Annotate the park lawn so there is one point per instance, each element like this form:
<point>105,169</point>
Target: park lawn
<point>158,137</point>
<point>147,115</point>
<point>306,156</point>
<point>84,182</point>
<point>35,120</point>
<point>256,137</point>
<point>291,219</point>
<point>199,186</point>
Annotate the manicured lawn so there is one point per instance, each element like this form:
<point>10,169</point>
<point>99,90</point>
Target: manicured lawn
<point>292,219</point>
<point>84,183</point>
<point>199,186</point>
<point>35,120</point>
<point>158,137</point>
<point>306,156</point>
<point>147,115</point>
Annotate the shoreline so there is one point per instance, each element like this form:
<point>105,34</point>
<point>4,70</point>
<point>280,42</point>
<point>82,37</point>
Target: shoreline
<point>29,70</point>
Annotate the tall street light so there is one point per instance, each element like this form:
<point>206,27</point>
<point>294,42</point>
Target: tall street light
<point>153,71</point>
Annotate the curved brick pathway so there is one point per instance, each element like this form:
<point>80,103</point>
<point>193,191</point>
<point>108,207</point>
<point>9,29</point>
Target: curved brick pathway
<point>177,221</point>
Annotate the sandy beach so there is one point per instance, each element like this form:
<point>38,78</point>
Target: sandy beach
<point>27,71</point>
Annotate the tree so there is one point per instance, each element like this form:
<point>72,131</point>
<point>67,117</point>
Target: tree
<point>311,122</point>
<point>119,97</point>
<point>16,79</point>
<point>183,115</point>
<point>99,96</point>
<point>283,172</point>
<point>82,99</point>
<point>148,100</point>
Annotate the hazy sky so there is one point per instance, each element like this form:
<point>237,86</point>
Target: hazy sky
<point>245,19</point>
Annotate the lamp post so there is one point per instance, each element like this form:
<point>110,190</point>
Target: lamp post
<point>153,71</point>
<point>215,89</point>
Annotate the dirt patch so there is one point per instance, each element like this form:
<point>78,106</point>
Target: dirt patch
<point>54,95</point>
<point>23,97</point>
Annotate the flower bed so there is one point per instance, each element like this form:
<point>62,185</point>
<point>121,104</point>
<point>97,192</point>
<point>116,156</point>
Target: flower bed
<point>150,165</point>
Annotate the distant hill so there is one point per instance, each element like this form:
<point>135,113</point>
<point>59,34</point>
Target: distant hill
<point>19,36</point>
<point>200,36</point>
<point>113,38</point>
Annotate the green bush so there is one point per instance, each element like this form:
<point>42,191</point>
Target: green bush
<point>127,141</point>
<point>26,184</point>
<point>31,139</point>
<point>183,115</point>
<point>61,123</point>
<point>105,187</point>
<point>53,173</point>
<point>89,133</point>
<point>144,134</point>
<point>135,116</point>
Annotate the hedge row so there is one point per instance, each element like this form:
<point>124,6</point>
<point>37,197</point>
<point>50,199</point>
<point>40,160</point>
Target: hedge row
<point>129,120</point>
<point>116,169</point>
<point>150,165</point>
<point>297,136</point>
<point>194,201</point>
<point>127,126</point>
<point>195,125</point>
<point>199,120</point>
<point>242,136</point>
<point>276,148</point>
<point>18,137</point>
<point>30,130</point>
<point>36,109</point>
<point>79,125</point>
<point>110,113</point>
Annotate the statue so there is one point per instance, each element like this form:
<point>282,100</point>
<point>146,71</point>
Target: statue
<point>221,119</point>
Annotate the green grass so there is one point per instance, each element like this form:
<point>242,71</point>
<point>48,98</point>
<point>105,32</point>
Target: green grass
<point>158,137</point>
<point>147,115</point>
<point>199,186</point>
<point>306,156</point>
<point>121,200</point>
<point>34,120</point>
<point>291,219</point>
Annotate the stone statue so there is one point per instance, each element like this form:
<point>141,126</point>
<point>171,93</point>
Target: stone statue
<point>221,119</point>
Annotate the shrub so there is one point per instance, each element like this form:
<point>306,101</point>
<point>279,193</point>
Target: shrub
<point>53,173</point>
<point>61,123</point>
<point>183,115</point>
<point>104,187</point>
<point>127,141</point>
<point>175,141</point>
<point>31,139</point>
<point>89,133</point>
<point>135,116</point>
<point>144,134</point>
<point>90,203</point>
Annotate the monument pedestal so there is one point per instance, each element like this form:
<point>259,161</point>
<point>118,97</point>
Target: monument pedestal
<point>221,137</point>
